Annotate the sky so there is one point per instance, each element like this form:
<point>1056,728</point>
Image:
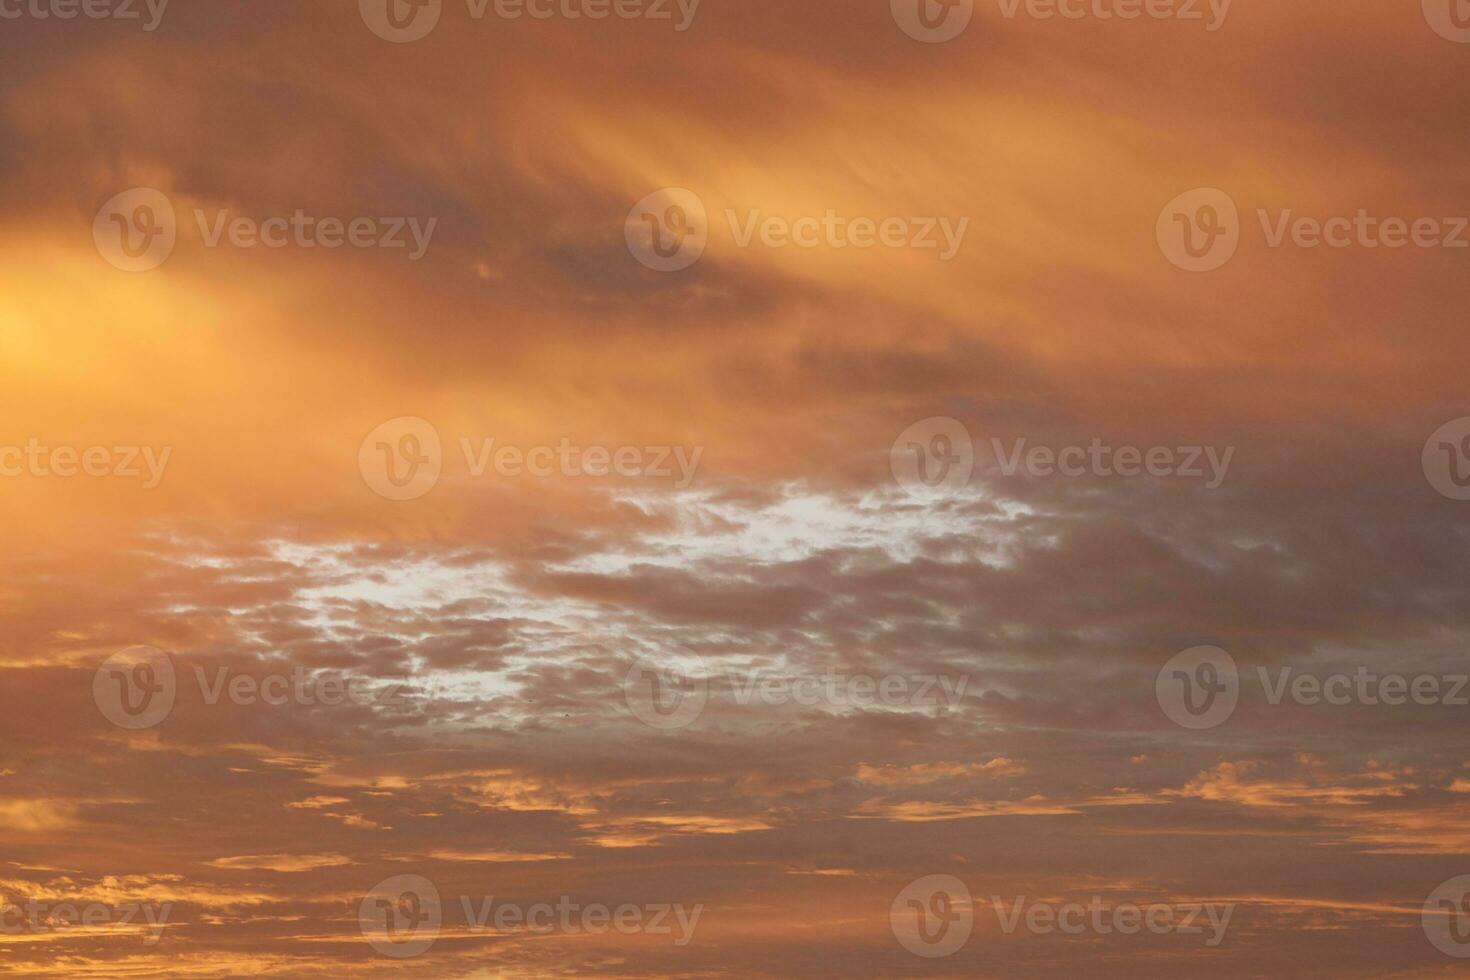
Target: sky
<point>736,489</point>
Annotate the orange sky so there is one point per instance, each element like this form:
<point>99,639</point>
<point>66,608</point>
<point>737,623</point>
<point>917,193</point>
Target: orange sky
<point>249,410</point>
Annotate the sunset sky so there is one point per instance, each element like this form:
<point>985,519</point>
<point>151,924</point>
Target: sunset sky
<point>494,461</point>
